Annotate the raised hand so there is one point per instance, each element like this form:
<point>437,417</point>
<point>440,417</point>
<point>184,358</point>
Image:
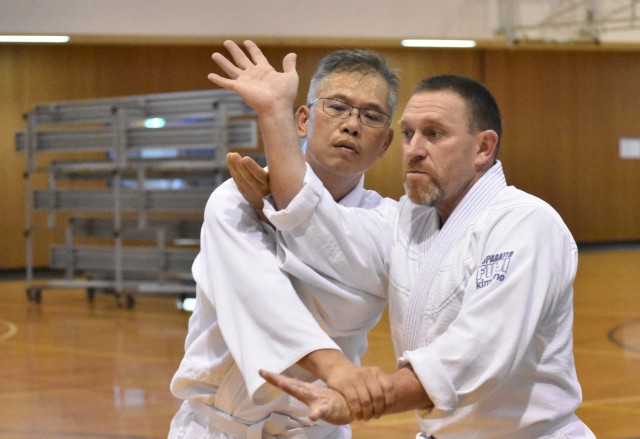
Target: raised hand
<point>255,80</point>
<point>324,403</point>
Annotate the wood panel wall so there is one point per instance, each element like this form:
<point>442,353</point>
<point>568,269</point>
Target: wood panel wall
<point>563,114</point>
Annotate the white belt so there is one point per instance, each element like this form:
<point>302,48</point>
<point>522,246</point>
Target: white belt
<point>270,427</point>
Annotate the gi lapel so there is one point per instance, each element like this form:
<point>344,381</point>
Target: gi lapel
<point>473,203</point>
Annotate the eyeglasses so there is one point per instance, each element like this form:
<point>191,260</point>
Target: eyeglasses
<point>342,110</point>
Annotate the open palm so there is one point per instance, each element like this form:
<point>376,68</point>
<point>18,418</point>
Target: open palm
<point>254,79</point>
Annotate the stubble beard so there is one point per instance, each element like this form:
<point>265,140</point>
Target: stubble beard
<point>427,195</point>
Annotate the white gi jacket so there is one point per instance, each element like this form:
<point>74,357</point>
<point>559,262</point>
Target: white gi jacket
<point>249,316</point>
<point>482,308</point>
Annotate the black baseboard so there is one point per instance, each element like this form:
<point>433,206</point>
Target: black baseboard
<point>613,245</point>
<point>38,273</point>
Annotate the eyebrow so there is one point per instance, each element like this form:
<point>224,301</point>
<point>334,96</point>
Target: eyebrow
<point>345,98</point>
<point>438,123</point>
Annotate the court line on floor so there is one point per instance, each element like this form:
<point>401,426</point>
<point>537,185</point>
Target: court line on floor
<point>616,400</point>
<point>605,353</point>
<point>613,336</point>
<point>12,329</point>
<point>68,434</point>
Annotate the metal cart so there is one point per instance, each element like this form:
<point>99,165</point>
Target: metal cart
<point>124,182</point>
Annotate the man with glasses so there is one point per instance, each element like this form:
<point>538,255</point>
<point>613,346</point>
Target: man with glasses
<point>249,314</point>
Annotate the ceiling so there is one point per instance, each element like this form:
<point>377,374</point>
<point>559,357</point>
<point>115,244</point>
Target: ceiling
<point>307,22</point>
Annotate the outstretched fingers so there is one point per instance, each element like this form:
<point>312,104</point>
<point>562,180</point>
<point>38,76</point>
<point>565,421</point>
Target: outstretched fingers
<point>289,63</point>
<point>229,68</point>
<point>256,54</point>
<point>242,62</point>
<point>238,55</point>
<point>293,387</point>
<point>324,403</point>
<point>252,76</point>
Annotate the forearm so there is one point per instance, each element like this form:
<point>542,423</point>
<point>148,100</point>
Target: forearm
<point>284,156</point>
<point>410,395</point>
<point>362,393</point>
<point>272,94</point>
<point>321,362</point>
<point>330,237</point>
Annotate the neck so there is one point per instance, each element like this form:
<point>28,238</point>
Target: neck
<point>337,185</point>
<point>446,207</point>
<point>339,189</point>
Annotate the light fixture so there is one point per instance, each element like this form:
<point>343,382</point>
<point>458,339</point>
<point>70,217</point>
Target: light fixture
<point>155,122</point>
<point>187,304</point>
<point>34,38</point>
<point>439,43</point>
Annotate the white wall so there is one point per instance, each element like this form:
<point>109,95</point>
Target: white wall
<point>219,19</point>
<point>207,21</point>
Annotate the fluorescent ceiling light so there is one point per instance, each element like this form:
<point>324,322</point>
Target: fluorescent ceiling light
<point>439,43</point>
<point>34,38</point>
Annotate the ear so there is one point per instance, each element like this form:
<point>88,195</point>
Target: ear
<point>303,115</point>
<point>387,143</point>
<point>487,144</point>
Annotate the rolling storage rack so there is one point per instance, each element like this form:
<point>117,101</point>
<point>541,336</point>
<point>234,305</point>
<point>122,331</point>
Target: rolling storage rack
<point>123,183</point>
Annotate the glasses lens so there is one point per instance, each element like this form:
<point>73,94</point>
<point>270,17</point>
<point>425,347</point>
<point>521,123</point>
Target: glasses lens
<point>371,118</point>
<point>336,108</point>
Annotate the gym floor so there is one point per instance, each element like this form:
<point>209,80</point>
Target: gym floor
<point>74,368</point>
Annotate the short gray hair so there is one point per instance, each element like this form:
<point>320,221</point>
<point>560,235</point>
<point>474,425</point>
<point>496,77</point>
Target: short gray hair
<point>355,60</point>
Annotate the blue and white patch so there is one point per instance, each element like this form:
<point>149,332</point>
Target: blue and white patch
<point>493,268</point>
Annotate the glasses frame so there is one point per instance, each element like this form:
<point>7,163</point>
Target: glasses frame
<point>361,111</point>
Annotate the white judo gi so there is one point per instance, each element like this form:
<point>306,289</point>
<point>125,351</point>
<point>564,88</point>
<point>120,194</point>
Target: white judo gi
<point>481,308</point>
<point>250,315</point>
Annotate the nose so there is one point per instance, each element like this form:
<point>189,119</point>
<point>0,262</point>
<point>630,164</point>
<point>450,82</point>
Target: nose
<point>351,124</point>
<point>414,148</point>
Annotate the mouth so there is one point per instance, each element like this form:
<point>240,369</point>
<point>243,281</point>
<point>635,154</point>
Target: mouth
<point>415,172</point>
<point>344,144</point>
<point>416,175</point>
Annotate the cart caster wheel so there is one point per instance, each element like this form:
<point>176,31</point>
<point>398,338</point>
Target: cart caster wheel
<point>34,295</point>
<point>130,302</point>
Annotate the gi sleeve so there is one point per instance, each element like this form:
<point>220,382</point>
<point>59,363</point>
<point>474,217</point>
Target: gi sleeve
<point>515,316</point>
<point>349,244</point>
<point>262,320</point>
